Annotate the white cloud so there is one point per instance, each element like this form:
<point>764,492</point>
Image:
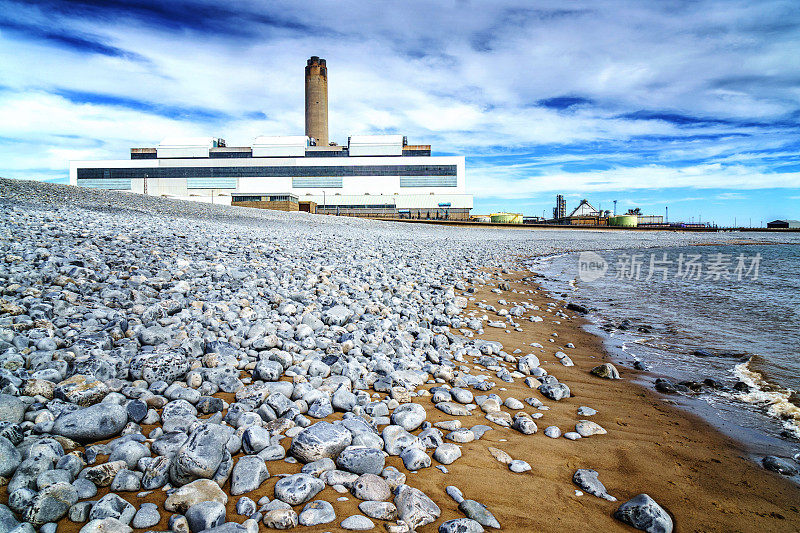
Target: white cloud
<point>463,76</point>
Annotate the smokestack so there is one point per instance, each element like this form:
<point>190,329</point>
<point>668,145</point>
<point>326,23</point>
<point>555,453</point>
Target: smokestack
<point>317,100</point>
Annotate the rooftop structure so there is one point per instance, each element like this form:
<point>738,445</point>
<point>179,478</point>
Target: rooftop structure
<point>584,209</point>
<point>785,224</point>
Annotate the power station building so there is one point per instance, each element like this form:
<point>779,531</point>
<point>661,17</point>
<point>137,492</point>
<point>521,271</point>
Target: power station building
<point>372,175</point>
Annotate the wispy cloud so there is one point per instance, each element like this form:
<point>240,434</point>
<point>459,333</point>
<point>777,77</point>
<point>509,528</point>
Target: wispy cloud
<point>70,40</point>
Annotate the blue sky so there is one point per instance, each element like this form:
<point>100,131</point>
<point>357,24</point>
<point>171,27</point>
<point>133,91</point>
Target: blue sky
<point>693,105</point>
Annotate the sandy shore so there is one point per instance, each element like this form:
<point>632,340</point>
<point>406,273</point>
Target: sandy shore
<point>702,478</point>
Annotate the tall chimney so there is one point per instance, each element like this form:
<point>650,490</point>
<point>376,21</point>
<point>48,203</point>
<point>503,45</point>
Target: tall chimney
<point>317,100</point>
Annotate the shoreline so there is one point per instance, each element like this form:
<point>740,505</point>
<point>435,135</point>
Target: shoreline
<point>769,435</point>
<point>705,479</point>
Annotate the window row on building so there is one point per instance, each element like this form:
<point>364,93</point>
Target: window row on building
<point>267,172</point>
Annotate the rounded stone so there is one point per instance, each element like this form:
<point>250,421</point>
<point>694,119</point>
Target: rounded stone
<point>643,513</point>
<point>378,510</point>
<point>461,525</point>
<point>447,453</point>
<point>317,512</point>
<point>280,519</point>
<point>298,488</point>
<point>409,416</point>
<point>357,523</point>
<point>371,487</point>
<point>320,440</point>
<point>205,515</point>
<point>96,422</point>
<point>361,460</point>
<point>146,517</point>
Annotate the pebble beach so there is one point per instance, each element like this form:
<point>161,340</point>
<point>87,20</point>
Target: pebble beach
<point>185,367</point>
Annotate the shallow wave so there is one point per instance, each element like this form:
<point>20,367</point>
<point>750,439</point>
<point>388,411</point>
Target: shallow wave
<point>774,399</point>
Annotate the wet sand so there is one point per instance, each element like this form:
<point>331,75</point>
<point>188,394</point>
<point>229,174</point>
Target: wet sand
<point>702,478</point>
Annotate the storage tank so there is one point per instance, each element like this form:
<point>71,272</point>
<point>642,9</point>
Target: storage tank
<point>507,218</point>
<point>624,221</point>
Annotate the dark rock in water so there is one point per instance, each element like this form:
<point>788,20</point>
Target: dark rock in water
<point>702,353</point>
<point>789,435</point>
<point>641,365</point>
<point>779,465</point>
<point>692,385</point>
<point>643,513</point>
<point>624,325</point>
<point>665,386</point>
<point>713,383</point>
<point>741,386</point>
<point>643,329</point>
<point>575,307</point>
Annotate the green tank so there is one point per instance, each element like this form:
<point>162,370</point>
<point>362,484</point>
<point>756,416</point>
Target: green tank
<point>624,221</point>
<point>507,218</point>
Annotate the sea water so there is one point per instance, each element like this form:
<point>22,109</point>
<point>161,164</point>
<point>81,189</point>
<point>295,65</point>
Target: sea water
<point>730,313</point>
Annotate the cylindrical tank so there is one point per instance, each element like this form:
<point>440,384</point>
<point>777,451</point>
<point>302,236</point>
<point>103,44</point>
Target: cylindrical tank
<point>317,100</point>
<point>625,221</point>
<point>507,218</point>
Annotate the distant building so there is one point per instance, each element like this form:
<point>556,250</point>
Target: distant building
<point>277,202</point>
<point>373,175</point>
<point>533,220</point>
<point>560,210</point>
<point>784,224</point>
<point>651,220</point>
<point>584,209</point>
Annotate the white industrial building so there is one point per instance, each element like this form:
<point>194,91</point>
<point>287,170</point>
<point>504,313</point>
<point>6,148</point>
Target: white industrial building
<point>374,175</point>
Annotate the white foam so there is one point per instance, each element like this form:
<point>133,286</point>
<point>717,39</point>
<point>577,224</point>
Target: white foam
<point>775,399</point>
